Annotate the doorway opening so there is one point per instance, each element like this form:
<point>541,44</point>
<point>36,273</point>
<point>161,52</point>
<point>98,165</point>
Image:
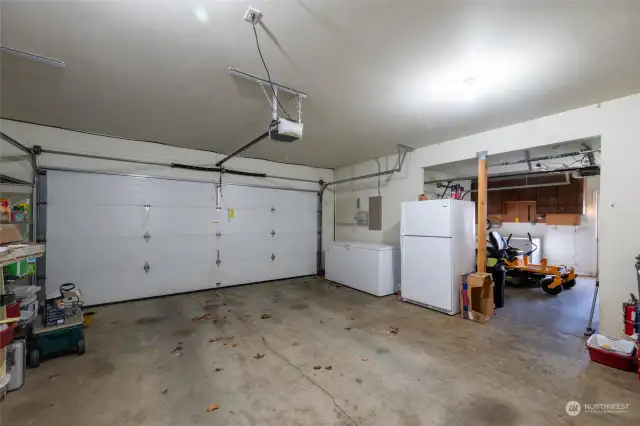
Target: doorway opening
<point>542,202</point>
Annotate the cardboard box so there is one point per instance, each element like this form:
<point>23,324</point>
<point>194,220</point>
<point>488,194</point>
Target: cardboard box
<point>563,219</point>
<point>10,234</point>
<point>476,297</point>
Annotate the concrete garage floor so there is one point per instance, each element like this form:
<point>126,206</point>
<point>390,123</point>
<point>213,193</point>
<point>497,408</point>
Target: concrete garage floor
<point>567,312</point>
<point>149,363</point>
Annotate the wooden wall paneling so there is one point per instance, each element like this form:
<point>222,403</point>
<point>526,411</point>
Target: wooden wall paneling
<point>494,202</point>
<point>570,197</point>
<point>546,199</point>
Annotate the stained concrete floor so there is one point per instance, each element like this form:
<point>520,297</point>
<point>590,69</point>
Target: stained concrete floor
<point>149,363</point>
<point>567,312</point>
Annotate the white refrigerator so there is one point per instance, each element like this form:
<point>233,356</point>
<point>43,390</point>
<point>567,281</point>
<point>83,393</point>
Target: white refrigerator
<point>437,247</point>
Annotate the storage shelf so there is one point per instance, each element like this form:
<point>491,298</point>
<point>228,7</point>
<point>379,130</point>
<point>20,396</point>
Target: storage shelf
<point>22,254</point>
<point>26,222</point>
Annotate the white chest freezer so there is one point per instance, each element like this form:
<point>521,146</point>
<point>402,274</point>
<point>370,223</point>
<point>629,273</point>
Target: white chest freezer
<point>369,267</point>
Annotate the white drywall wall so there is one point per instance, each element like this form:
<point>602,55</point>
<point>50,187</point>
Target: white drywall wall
<point>64,140</point>
<point>617,124</point>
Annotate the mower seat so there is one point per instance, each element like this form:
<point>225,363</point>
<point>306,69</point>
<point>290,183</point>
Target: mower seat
<point>500,248</point>
<point>497,241</point>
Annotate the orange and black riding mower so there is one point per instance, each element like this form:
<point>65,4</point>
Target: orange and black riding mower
<point>552,279</point>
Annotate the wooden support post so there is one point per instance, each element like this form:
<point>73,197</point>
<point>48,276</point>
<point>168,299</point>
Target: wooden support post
<point>482,211</point>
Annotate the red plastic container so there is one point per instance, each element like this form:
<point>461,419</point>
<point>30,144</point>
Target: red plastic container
<point>611,358</point>
<point>638,355</point>
<point>13,310</point>
<point>7,334</point>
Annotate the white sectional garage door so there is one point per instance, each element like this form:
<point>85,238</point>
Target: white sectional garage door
<point>125,237</point>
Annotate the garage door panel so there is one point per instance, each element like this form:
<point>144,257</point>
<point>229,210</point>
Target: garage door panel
<point>241,246</point>
<point>247,221</point>
<point>94,253</point>
<point>236,272</point>
<point>182,220</point>
<point>298,221</point>
<point>96,224</point>
<point>294,242</point>
<point>94,221</point>
<point>95,189</point>
<point>163,279</point>
<point>246,197</point>
<point>175,193</point>
<point>97,286</point>
<point>178,250</point>
<point>292,265</point>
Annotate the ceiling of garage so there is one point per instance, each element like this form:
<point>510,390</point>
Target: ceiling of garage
<point>377,73</point>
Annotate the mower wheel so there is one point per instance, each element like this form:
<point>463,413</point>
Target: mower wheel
<point>569,284</point>
<point>546,282</point>
<point>34,358</point>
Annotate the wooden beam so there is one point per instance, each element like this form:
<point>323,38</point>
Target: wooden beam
<point>482,211</point>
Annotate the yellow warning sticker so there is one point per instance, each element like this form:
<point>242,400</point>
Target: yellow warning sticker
<point>232,213</point>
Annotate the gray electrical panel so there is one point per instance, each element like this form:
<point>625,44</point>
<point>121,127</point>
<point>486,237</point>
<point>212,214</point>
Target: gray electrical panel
<point>375,213</point>
<point>362,218</point>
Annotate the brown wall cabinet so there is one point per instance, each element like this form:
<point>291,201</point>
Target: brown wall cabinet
<point>543,200</point>
<point>520,211</point>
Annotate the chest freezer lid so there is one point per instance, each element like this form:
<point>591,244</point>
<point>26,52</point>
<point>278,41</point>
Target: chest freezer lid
<point>363,245</point>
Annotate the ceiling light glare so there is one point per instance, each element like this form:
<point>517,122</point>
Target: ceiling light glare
<point>478,75</point>
<point>201,13</point>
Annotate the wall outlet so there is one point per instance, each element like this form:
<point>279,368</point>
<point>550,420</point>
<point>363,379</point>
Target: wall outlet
<point>252,16</point>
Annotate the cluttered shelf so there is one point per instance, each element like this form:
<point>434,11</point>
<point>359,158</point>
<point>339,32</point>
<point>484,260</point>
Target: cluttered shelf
<point>19,302</point>
<point>18,254</point>
<point>16,260</point>
<point>15,253</point>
